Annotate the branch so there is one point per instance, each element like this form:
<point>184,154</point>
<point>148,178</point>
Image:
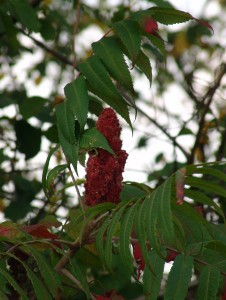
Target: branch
<point>53,52</point>
<point>209,98</point>
<point>173,139</point>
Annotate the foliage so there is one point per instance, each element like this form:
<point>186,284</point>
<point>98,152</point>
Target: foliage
<point>115,249</point>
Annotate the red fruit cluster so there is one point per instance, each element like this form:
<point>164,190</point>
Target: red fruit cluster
<point>104,170</point>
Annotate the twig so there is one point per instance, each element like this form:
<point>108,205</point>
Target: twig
<point>173,139</point>
<point>76,187</point>
<point>75,30</point>
<point>73,279</point>
<point>56,54</point>
<point>209,96</point>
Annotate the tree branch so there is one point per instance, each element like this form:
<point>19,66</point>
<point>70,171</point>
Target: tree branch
<point>53,52</point>
<point>173,139</point>
<point>209,97</point>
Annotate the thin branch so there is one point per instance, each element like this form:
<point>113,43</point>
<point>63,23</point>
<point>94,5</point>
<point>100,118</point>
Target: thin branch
<point>73,279</point>
<point>53,52</point>
<point>75,30</point>
<point>173,139</point>
<point>209,98</point>
<point>76,187</point>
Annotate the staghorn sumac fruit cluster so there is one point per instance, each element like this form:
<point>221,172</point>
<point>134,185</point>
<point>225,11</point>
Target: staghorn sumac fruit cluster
<point>104,170</point>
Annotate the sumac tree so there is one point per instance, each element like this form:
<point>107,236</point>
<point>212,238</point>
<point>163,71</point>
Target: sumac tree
<point>99,237</point>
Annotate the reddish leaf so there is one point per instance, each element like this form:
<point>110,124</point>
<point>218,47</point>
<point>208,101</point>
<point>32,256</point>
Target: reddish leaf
<point>204,23</point>
<point>9,230</point>
<point>50,221</point>
<point>137,253</point>
<point>199,209</point>
<point>111,295</point>
<point>171,255</point>
<point>180,179</point>
<point>150,25</point>
<point>39,231</point>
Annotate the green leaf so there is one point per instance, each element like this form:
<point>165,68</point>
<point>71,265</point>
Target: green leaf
<point>108,50</point>
<point>25,144</point>
<point>124,236</point>
<point>93,138</point>
<point>14,284</point>
<point>102,86</point>
<point>49,275</point>
<point>167,16</point>
<point>94,211</point>
<point>206,186</point>
<point>31,107</point>
<point>74,226</point>
<point>208,283</point>
<point>143,63</point>
<point>152,279</point>
<point>41,291</point>
<point>202,198</point>
<point>80,275</point>
<point>45,169</point>
<point>158,43</point>
<point>140,229</point>
<point>109,235</point>
<point>165,218</point>
<point>65,122</point>
<point>53,174</point>
<point>26,14</point>
<point>3,296</point>
<point>151,215</point>
<point>179,278</point>
<point>129,33</point>
<point>77,99</point>
<point>70,150</point>
<point>193,169</point>
<point>100,239</point>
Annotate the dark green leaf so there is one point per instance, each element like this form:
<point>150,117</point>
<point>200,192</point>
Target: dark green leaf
<point>179,278</point>
<point>79,272</point>
<point>109,235</point>
<point>49,275</point>
<point>45,169</point>
<point>208,283</point>
<point>93,138</point>
<point>206,186</point>
<point>31,107</point>
<point>129,33</point>
<point>53,174</point>
<point>125,234</point>
<point>102,86</point>
<point>14,284</point>
<point>28,138</point>
<point>26,14</point>
<point>70,150</point>
<point>77,99</point>
<point>143,63</point>
<point>152,279</point>
<point>110,53</point>
<point>65,122</point>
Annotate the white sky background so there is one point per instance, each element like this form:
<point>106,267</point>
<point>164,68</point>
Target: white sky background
<point>140,159</point>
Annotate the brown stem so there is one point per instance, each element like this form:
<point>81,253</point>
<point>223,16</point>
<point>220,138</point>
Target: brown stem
<point>173,139</point>
<point>208,98</point>
<point>53,52</point>
<point>76,188</point>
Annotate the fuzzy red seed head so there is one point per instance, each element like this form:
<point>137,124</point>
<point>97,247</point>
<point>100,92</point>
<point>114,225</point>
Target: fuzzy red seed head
<point>104,170</point>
